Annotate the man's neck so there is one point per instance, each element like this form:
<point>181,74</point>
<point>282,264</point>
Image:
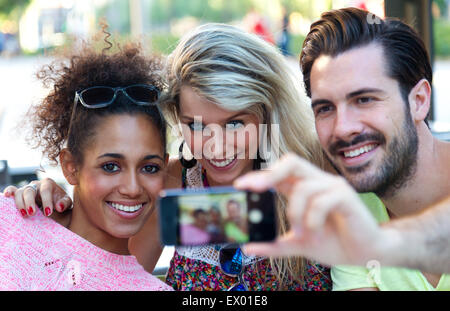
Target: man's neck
<point>430,183</point>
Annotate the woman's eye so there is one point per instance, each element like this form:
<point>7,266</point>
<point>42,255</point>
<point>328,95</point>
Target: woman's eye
<point>152,169</point>
<point>196,126</point>
<point>110,167</point>
<point>233,125</point>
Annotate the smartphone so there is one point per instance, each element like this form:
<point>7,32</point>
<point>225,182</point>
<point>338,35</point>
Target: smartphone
<point>216,215</point>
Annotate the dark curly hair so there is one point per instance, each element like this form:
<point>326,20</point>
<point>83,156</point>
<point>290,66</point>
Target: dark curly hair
<point>79,70</point>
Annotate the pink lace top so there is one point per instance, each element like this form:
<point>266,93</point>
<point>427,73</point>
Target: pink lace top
<point>39,254</point>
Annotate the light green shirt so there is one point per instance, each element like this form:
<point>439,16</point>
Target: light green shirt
<point>232,231</point>
<point>383,278</point>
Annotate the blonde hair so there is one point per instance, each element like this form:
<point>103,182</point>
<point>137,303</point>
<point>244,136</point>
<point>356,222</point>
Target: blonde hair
<point>240,71</point>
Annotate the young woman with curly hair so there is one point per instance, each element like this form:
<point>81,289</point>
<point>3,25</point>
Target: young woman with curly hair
<point>102,122</point>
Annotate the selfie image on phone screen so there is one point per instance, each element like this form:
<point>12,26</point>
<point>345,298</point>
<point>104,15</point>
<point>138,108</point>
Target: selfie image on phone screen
<point>213,218</point>
<point>216,215</point>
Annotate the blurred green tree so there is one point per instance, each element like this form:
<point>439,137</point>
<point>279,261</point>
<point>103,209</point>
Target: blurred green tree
<point>163,11</point>
<point>304,7</point>
<point>8,6</point>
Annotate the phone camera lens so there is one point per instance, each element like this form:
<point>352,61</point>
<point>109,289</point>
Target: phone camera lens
<point>255,216</point>
<point>254,197</point>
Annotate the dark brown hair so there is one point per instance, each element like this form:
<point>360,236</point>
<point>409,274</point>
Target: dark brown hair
<point>341,30</point>
<point>79,70</point>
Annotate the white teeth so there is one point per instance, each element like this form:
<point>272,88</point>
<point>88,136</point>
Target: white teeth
<point>125,208</point>
<point>357,152</point>
<point>221,163</point>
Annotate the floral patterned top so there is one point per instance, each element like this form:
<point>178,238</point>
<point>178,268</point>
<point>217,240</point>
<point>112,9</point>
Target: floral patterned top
<point>196,268</point>
<point>195,275</point>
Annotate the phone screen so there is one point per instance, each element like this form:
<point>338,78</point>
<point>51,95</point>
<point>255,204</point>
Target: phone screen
<point>213,218</point>
<point>216,215</point>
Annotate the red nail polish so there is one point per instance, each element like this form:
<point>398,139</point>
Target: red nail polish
<point>47,211</point>
<point>30,211</point>
<point>23,212</point>
<point>61,206</point>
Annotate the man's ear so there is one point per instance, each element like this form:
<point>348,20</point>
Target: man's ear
<point>420,100</point>
<point>69,166</point>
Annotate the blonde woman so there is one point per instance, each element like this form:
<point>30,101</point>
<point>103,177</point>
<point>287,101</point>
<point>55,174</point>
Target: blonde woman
<point>219,75</point>
<point>238,107</point>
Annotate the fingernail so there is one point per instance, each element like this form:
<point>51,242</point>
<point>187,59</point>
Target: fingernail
<point>47,211</point>
<point>242,181</point>
<point>248,250</point>
<point>23,212</point>
<point>61,207</point>
<point>243,178</point>
<point>6,194</point>
<point>30,211</point>
<point>237,182</point>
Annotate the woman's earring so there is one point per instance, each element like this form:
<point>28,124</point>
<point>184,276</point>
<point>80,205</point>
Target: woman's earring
<point>186,158</point>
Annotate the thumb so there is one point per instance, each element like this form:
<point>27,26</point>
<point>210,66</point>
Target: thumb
<point>287,245</point>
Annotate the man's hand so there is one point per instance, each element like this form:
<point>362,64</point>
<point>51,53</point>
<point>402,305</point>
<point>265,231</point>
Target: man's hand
<point>328,221</point>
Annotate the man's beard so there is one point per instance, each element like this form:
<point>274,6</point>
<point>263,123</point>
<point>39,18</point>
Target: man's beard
<point>398,165</point>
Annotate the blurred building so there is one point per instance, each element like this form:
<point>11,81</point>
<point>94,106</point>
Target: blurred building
<point>47,23</point>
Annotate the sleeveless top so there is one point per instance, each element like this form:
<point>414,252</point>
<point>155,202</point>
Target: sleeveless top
<point>198,267</point>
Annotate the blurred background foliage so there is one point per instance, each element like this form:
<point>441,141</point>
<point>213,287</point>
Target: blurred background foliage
<point>221,11</point>
<point>40,25</point>
<point>8,6</point>
<point>441,24</point>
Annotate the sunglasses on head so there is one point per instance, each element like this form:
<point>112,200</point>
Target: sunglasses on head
<point>232,264</point>
<point>102,96</point>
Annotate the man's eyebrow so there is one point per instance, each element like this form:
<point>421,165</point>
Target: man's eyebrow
<point>317,102</point>
<point>348,96</point>
<point>363,91</point>
<point>121,156</point>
